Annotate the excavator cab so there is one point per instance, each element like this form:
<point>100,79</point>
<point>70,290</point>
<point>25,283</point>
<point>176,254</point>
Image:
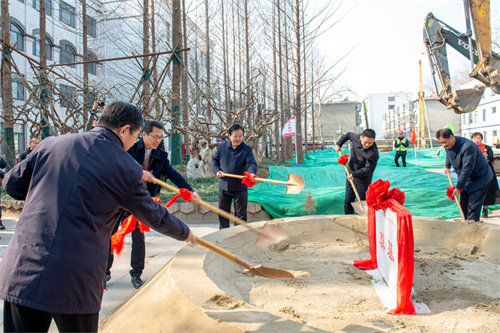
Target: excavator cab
<point>438,34</point>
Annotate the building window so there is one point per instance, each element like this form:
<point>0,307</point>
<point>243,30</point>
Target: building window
<point>92,66</point>
<point>470,118</point>
<point>91,27</point>
<point>475,117</point>
<point>68,95</point>
<point>67,55</point>
<point>16,37</point>
<point>36,47</point>
<point>484,114</point>
<point>67,14</point>
<point>48,6</point>
<point>392,107</point>
<point>391,99</point>
<point>494,109</point>
<point>17,87</point>
<point>464,119</point>
<point>19,141</point>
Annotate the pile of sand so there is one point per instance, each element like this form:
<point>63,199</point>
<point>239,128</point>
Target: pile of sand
<point>456,276</point>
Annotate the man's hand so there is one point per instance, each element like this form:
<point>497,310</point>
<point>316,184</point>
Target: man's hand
<point>455,192</point>
<point>446,170</point>
<point>94,106</point>
<point>190,238</point>
<point>338,148</point>
<point>350,177</point>
<point>147,176</point>
<point>219,174</point>
<point>195,197</point>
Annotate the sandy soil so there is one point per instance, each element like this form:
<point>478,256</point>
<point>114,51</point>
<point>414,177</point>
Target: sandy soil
<point>457,275</point>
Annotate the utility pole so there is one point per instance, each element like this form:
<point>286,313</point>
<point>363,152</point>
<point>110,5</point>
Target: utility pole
<point>86,105</point>
<point>7,100</point>
<point>176,153</point>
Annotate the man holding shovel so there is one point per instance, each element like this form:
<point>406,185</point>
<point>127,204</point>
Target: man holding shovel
<point>364,158</point>
<point>235,157</point>
<point>75,188</point>
<point>473,172</point>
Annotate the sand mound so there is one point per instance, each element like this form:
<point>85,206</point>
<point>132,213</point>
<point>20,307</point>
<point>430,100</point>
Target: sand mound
<point>456,276</point>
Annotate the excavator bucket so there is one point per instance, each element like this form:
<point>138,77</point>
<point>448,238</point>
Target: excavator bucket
<point>465,100</point>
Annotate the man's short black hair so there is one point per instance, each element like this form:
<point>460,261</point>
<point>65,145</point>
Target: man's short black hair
<point>368,133</point>
<point>476,134</point>
<point>149,124</point>
<point>119,114</point>
<point>444,133</point>
<point>236,127</point>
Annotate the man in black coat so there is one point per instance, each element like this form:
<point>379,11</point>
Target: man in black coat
<point>155,163</point>
<point>362,164</point>
<point>235,157</point>
<point>75,187</point>
<point>473,172</point>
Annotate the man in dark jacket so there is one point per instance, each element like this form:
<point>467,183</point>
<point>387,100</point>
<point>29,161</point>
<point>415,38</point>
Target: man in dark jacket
<point>362,164</point>
<point>234,157</point>
<point>401,144</point>
<point>32,144</point>
<point>473,172</point>
<point>155,163</point>
<point>75,188</point>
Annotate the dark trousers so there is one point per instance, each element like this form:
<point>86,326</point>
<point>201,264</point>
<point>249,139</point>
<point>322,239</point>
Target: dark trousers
<point>350,196</point>
<point>240,205</point>
<point>18,318</point>
<point>403,159</point>
<point>472,203</point>
<point>138,255</point>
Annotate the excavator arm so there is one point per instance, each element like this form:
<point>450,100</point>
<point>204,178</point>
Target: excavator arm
<point>438,34</point>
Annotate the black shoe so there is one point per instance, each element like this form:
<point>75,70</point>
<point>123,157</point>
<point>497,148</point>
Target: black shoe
<point>485,212</point>
<point>137,282</point>
<point>2,227</point>
<point>108,277</point>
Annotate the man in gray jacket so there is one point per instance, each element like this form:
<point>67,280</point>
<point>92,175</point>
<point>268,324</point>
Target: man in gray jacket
<point>75,188</point>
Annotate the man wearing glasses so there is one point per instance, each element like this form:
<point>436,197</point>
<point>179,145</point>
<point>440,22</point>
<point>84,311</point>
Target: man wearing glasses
<point>155,163</point>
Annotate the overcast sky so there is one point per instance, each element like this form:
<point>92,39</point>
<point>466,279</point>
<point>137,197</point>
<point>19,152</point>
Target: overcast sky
<point>389,41</point>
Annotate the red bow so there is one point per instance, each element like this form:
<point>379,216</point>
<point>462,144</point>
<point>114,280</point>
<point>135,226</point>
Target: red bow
<point>248,179</point>
<point>449,192</point>
<point>128,225</point>
<point>184,193</point>
<point>378,194</point>
<point>343,159</point>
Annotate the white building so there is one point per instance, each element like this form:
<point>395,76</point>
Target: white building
<point>114,30</point>
<point>377,105</point>
<point>485,119</point>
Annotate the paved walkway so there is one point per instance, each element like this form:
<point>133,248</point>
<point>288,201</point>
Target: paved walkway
<point>159,250</point>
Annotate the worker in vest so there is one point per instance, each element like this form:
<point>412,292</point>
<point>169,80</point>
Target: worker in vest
<point>401,144</point>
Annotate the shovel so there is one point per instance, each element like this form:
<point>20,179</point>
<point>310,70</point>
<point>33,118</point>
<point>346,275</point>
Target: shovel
<point>271,273</point>
<point>294,185</point>
<point>269,235</point>
<point>456,200</point>
<point>360,206</point>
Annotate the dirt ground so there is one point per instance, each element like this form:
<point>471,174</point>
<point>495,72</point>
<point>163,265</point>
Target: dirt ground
<point>457,275</point>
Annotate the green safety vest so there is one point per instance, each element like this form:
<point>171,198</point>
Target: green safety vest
<point>401,148</point>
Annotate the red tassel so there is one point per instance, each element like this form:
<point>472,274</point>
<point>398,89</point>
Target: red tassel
<point>248,179</point>
<point>184,193</point>
<point>343,159</point>
<point>449,192</point>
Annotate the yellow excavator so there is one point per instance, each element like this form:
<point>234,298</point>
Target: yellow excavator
<point>485,63</point>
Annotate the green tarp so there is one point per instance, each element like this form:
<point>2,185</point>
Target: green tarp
<point>325,180</point>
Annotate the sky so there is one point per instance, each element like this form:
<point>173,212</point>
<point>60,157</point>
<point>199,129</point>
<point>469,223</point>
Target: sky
<point>388,41</point>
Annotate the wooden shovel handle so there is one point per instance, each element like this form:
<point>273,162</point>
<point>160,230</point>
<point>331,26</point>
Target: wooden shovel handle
<point>352,184</point>
<point>259,179</point>
<point>456,198</point>
<point>222,252</point>
<point>209,206</point>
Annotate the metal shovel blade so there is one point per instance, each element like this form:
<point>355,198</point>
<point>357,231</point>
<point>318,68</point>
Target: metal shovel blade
<point>360,207</point>
<point>466,100</point>
<point>296,184</point>
<point>270,273</point>
<point>270,234</point>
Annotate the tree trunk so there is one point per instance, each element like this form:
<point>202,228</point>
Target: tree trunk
<point>305,82</point>
<point>185,83</point>
<point>86,103</point>
<point>284,119</point>
<point>207,42</point>
<point>42,75</point>
<point>7,100</point>
<point>247,67</point>
<point>145,60</point>
<point>154,101</point>
<point>176,153</point>
<point>277,130</point>
<point>298,116</point>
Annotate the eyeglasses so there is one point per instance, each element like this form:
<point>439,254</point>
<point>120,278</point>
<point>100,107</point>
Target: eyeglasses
<point>136,137</point>
<point>156,137</point>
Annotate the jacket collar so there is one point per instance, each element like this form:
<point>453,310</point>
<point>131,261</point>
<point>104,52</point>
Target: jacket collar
<point>108,134</point>
<point>155,153</point>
